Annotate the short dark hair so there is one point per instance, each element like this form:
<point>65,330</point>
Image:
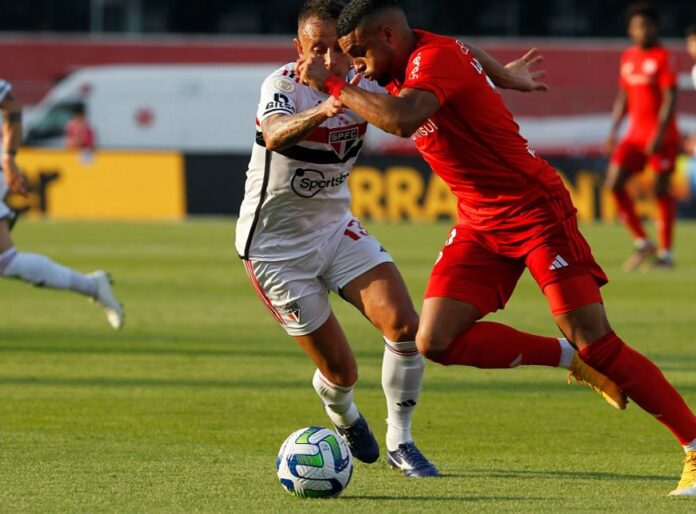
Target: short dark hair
<point>691,30</point>
<point>325,10</point>
<point>645,9</point>
<point>357,10</point>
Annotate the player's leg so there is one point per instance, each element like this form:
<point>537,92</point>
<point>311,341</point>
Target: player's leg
<point>663,165</point>
<point>43,272</point>
<point>635,374</point>
<point>468,282</point>
<point>298,301</point>
<point>365,275</point>
<point>629,159</point>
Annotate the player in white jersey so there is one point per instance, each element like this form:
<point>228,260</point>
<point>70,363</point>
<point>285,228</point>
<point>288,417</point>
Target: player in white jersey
<point>30,267</point>
<point>298,240</point>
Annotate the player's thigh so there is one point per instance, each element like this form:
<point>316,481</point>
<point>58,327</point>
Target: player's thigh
<point>381,295</point>
<point>442,319</point>
<point>291,292</point>
<point>329,350</point>
<point>468,281</point>
<point>627,160</point>
<point>564,268</point>
<point>663,164</point>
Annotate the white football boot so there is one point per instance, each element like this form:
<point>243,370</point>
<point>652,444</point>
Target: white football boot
<point>105,297</point>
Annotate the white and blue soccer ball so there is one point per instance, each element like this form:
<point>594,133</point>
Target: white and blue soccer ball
<point>314,462</point>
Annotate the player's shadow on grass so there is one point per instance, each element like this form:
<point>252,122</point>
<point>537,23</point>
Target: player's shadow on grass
<point>555,474</point>
<point>440,498</point>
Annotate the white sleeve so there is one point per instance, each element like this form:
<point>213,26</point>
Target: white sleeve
<point>693,75</point>
<point>278,96</point>
<point>5,88</point>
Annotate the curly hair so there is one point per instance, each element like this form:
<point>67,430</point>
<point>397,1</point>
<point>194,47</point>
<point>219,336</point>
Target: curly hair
<point>356,11</point>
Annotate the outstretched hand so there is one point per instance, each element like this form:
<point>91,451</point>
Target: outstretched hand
<point>523,77</point>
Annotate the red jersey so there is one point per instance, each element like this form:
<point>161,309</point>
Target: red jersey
<point>645,74</point>
<point>472,142</point>
<point>79,135</point>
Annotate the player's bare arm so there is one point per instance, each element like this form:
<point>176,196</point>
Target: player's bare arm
<point>618,113</point>
<point>400,115</point>
<point>519,74</point>
<point>283,131</point>
<point>12,138</point>
<point>669,102</point>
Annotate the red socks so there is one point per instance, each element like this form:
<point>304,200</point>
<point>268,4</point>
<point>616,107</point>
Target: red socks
<point>643,382</point>
<point>627,212</point>
<point>493,346</point>
<point>667,213</point>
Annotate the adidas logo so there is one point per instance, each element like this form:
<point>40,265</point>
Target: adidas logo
<point>407,403</point>
<point>558,263</point>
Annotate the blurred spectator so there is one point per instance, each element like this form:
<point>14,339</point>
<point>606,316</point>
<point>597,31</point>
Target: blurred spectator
<point>79,135</point>
<point>690,142</point>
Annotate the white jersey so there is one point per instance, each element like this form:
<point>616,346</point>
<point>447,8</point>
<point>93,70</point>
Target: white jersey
<point>296,197</point>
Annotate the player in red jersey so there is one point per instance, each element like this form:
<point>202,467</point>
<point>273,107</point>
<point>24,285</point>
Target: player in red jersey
<point>648,93</point>
<point>514,212</point>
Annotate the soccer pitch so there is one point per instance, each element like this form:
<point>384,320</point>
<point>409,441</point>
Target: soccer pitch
<point>185,409</point>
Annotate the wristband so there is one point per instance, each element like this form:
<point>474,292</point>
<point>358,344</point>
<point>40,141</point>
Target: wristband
<point>333,85</point>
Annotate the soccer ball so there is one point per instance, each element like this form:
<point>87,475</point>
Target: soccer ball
<point>314,462</point>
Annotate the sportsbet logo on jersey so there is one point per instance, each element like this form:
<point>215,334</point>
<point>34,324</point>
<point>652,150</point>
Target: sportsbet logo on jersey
<point>307,182</point>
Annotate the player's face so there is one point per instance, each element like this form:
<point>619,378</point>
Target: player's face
<point>371,53</point>
<point>318,38</point>
<point>691,46</point>
<point>642,30</point>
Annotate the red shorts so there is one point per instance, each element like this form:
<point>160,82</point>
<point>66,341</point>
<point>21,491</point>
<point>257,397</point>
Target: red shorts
<point>630,156</point>
<point>483,267</point>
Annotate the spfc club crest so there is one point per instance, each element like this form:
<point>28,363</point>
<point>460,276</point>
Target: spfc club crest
<point>343,139</point>
<point>291,311</point>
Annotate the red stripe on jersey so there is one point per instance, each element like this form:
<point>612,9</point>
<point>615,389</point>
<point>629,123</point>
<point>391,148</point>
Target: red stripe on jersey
<point>249,267</point>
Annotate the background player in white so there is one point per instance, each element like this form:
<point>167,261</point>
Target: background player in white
<point>30,267</point>
<point>299,240</point>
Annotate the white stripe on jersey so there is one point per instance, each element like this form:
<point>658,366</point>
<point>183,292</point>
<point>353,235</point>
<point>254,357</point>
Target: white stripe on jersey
<point>300,195</point>
<point>5,88</point>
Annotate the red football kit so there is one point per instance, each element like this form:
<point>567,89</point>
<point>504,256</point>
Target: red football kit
<point>645,74</point>
<point>513,208</point>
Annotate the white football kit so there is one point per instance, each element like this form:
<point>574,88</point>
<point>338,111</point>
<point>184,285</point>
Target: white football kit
<point>295,233</point>
<point>5,88</point>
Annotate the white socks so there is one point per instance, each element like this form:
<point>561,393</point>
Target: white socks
<point>402,377</point>
<point>43,272</point>
<point>567,352</point>
<point>338,400</point>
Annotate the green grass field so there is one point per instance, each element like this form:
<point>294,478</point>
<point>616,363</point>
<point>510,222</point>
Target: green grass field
<point>185,409</point>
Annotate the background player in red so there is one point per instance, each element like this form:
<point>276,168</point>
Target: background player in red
<point>648,93</point>
<point>514,212</point>
<point>79,134</point>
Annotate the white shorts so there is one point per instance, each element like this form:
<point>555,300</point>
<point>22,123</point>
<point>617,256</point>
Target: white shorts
<point>296,292</point>
<point>4,209</point>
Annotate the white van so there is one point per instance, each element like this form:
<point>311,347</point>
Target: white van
<point>190,108</point>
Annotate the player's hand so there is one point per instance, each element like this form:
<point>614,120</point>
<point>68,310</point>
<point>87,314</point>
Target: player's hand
<point>312,71</point>
<point>331,107</point>
<point>16,182</point>
<point>523,77</point>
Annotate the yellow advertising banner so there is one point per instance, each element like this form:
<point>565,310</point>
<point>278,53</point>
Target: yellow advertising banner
<point>103,185</point>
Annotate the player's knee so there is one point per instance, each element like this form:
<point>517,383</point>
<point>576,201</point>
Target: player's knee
<point>401,326</point>
<point>432,345</point>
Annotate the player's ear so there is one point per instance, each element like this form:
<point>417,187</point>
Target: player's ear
<point>298,46</point>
